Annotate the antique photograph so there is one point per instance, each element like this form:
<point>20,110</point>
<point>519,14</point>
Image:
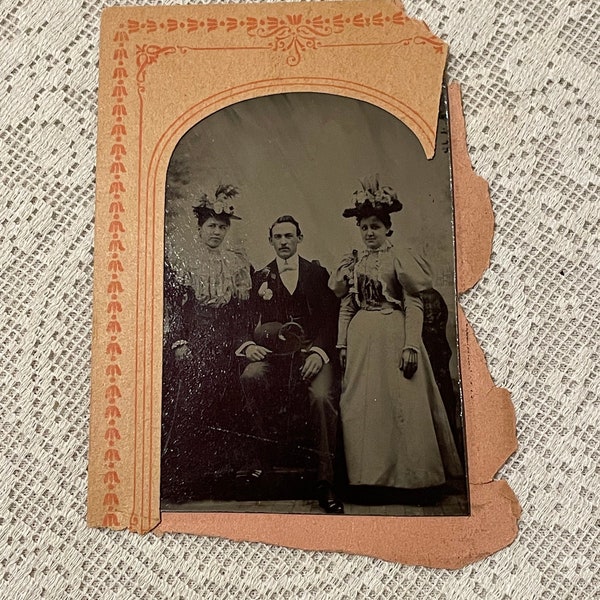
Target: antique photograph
<point>310,355</point>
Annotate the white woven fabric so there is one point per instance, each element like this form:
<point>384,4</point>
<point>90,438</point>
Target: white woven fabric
<point>529,72</point>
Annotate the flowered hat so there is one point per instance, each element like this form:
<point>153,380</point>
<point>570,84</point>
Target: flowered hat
<point>373,197</point>
<point>220,205</point>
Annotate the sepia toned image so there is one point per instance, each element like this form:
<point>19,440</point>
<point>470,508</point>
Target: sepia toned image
<point>310,358</point>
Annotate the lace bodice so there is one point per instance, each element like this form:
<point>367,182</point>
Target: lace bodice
<point>218,275</point>
<point>383,279</point>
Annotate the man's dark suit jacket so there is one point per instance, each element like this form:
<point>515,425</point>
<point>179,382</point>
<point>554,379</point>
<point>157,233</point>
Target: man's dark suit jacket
<point>313,305</point>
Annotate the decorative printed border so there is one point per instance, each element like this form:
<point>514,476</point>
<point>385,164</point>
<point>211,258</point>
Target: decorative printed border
<point>114,307</point>
<point>267,25</point>
<point>293,34</point>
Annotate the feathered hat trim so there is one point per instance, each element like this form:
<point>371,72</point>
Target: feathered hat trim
<point>373,197</point>
<point>221,204</point>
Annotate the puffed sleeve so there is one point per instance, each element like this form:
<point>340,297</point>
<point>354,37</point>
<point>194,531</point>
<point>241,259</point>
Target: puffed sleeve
<point>341,279</point>
<point>412,270</point>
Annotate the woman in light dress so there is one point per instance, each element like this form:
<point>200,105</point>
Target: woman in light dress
<point>395,428</point>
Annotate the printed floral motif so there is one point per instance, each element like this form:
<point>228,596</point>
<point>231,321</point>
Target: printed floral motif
<point>292,34</point>
<point>258,26</point>
<point>147,55</point>
<point>114,289</point>
<point>433,41</point>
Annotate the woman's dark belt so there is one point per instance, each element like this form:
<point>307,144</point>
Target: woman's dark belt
<point>385,307</point>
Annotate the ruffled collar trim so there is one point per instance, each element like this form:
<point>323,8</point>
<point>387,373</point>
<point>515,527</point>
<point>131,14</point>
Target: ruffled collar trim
<point>387,245</point>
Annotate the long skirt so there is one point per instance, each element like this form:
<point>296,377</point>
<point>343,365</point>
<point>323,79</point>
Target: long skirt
<point>200,394</point>
<point>396,431</point>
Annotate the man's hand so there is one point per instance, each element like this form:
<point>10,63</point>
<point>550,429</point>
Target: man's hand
<point>409,362</point>
<point>343,354</point>
<point>182,352</point>
<point>256,353</point>
<point>312,366</point>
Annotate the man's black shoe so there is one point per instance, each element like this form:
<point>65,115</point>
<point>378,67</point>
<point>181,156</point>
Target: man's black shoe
<point>328,500</point>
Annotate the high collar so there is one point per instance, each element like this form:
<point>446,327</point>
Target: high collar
<point>294,261</point>
<point>387,245</point>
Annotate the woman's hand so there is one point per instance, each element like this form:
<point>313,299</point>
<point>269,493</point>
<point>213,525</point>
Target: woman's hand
<point>343,354</point>
<point>182,352</point>
<point>409,362</point>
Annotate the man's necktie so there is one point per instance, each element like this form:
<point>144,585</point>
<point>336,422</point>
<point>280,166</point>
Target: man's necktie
<point>286,266</point>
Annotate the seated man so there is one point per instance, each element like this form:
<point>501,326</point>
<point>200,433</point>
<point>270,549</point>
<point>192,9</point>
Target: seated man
<point>292,292</point>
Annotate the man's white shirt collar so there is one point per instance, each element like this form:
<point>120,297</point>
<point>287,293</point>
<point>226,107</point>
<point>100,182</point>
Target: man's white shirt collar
<point>294,261</point>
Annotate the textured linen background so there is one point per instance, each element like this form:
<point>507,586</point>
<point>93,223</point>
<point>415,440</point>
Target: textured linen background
<point>530,79</point>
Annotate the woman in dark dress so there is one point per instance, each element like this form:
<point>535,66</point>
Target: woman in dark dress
<point>207,319</point>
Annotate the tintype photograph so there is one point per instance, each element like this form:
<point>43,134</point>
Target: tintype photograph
<point>310,356</point>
